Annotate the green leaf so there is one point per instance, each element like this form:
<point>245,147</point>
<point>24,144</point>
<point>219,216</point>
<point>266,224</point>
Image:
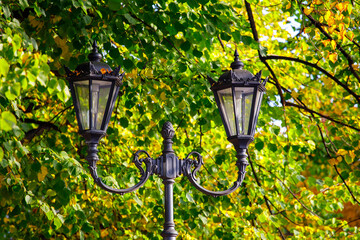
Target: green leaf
<point>189,197</point>
<point>7,121</point>
<point>263,50</point>
<point>203,219</point>
<point>259,145</point>
<point>24,4</point>
<point>130,19</point>
<point>272,147</point>
<point>197,53</point>
<point>247,40</point>
<point>4,67</point>
<point>182,67</point>
<point>28,199</point>
<point>50,193</point>
<point>128,64</point>
<point>50,215</point>
<point>57,223</point>
<point>185,46</point>
<point>124,122</point>
<point>87,19</point>
<point>7,11</point>
<point>87,227</point>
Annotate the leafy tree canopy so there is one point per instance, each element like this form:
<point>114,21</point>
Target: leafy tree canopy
<point>303,177</point>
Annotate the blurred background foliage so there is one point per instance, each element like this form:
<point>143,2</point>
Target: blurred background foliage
<point>303,180</point>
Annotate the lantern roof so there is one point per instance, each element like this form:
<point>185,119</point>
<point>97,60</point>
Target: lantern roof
<point>94,68</point>
<point>238,76</point>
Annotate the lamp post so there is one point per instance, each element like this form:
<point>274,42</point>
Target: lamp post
<point>238,94</point>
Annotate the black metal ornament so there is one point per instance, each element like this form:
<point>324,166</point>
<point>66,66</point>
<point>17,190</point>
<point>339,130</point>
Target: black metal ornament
<point>94,88</point>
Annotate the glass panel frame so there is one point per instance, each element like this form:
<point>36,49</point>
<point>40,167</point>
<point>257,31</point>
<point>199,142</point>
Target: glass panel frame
<point>226,107</point>
<point>257,106</point>
<point>80,101</point>
<point>243,107</point>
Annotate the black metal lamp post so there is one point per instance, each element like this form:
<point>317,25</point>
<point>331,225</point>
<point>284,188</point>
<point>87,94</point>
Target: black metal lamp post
<point>238,94</point>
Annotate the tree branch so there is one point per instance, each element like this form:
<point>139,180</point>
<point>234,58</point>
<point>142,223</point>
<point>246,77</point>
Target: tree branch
<point>338,46</point>
<point>290,191</point>
<point>321,115</point>
<point>344,86</point>
<point>349,190</point>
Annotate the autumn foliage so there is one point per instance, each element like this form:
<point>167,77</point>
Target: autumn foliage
<point>303,177</point>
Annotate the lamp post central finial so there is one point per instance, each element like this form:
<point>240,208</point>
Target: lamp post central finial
<point>237,64</point>
<point>95,56</point>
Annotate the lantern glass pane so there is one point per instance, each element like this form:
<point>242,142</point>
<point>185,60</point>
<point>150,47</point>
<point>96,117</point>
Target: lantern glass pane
<point>100,93</point>
<point>243,104</point>
<point>257,106</point>
<point>227,109</point>
<point>111,107</point>
<point>82,98</point>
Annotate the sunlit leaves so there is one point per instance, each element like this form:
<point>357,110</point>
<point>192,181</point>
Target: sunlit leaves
<point>7,121</point>
<point>4,67</point>
<point>165,49</point>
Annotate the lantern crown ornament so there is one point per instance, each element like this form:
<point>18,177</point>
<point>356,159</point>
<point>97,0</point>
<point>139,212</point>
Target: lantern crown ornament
<point>238,94</point>
<point>94,88</point>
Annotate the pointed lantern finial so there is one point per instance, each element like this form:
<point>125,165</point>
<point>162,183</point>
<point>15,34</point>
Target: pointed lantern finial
<point>95,56</point>
<point>237,64</point>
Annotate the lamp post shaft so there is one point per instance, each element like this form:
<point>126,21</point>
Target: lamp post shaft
<point>169,232</point>
<point>170,169</point>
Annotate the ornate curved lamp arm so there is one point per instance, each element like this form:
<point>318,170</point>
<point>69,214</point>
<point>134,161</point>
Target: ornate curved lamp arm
<point>191,175</point>
<point>145,174</point>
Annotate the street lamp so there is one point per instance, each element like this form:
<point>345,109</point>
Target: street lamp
<point>238,94</point>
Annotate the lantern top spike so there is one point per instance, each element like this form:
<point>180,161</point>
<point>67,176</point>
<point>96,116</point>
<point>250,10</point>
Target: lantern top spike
<point>237,76</point>
<point>95,56</point>
<point>237,64</point>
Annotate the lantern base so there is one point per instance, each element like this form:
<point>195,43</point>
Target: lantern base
<point>241,142</point>
<point>93,136</point>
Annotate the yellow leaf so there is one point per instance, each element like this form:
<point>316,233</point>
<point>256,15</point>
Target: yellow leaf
<point>288,5</point>
<point>333,44</point>
<point>295,94</point>
<point>62,43</point>
<point>317,2</point>
<point>342,34</point>
<point>182,105</point>
<point>331,29</point>
<point>331,21</point>
<point>326,42</point>
<point>163,96</point>
<point>304,46</point>
<point>342,152</point>
<point>342,6</point>
<point>327,15</point>
<point>352,154</point>
<point>307,11</point>
<point>338,111</point>
<point>137,81</point>
<point>42,174</point>
<point>349,9</point>
<point>350,36</point>
<point>341,26</point>
<point>333,57</point>
<point>332,5</point>
<point>108,204</point>
<point>327,81</point>
<point>104,233</point>
<point>332,161</point>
